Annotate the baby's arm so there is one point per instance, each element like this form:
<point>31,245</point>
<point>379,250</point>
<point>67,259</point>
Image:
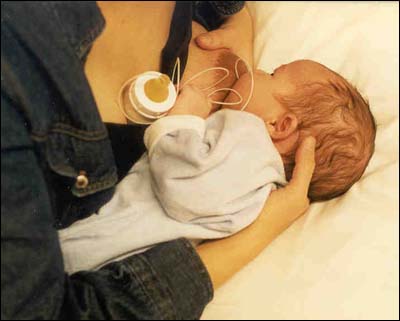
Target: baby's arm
<point>188,113</point>
<point>215,172</point>
<point>175,147</point>
<point>191,101</point>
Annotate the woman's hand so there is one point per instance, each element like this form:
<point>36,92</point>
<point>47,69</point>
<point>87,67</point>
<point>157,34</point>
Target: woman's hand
<point>291,201</point>
<point>236,34</point>
<point>223,258</point>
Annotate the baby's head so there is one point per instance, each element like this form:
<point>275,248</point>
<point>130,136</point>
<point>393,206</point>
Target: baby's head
<point>305,98</point>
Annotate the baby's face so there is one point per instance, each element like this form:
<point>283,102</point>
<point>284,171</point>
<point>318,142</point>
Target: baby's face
<point>282,81</point>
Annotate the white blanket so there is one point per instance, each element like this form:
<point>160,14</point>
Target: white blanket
<point>341,260</point>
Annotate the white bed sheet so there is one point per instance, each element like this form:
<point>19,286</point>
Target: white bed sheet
<point>341,260</point>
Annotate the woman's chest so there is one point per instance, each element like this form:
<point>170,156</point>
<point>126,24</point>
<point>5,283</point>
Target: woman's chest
<point>121,55</point>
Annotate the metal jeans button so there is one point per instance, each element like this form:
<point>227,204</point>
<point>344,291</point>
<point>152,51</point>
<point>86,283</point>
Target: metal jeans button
<point>81,180</point>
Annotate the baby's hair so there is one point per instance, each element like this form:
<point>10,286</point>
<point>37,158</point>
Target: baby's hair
<point>340,119</point>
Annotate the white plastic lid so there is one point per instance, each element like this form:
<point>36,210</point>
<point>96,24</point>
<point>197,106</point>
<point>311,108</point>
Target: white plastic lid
<point>147,105</point>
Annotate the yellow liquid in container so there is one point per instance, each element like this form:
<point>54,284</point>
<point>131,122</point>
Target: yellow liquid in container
<point>157,89</point>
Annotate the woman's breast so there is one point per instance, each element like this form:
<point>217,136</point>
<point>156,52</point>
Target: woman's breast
<point>199,60</point>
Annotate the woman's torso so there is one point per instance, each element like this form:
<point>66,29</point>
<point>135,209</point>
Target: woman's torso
<point>60,117</point>
<point>128,48</point>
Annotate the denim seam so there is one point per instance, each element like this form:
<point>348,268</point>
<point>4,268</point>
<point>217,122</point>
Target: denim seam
<point>85,42</point>
<point>71,131</point>
<point>91,35</point>
<point>184,249</point>
<point>201,268</point>
<point>99,184</point>
<point>60,25</point>
<point>201,20</point>
<point>66,126</point>
<point>145,266</point>
<point>164,285</point>
<point>89,136</point>
<point>226,10</point>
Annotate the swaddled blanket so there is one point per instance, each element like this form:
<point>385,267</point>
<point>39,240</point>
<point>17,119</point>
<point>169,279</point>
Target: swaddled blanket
<point>201,179</point>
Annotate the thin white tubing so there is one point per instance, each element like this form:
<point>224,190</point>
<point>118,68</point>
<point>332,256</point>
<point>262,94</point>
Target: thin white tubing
<point>177,69</point>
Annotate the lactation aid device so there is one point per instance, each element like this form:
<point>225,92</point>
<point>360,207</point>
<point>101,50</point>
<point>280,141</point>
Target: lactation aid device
<point>148,96</point>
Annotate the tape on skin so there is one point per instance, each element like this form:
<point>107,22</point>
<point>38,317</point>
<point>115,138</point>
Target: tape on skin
<point>153,94</point>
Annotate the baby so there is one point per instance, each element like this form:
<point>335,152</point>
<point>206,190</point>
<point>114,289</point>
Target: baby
<point>208,177</point>
<point>306,98</point>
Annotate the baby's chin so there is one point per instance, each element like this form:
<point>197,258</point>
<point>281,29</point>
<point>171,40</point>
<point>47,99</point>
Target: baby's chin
<point>231,98</point>
<point>232,107</point>
<point>215,107</point>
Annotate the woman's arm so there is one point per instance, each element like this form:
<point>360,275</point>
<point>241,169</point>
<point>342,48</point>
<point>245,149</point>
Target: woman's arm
<point>223,258</point>
<point>167,282</point>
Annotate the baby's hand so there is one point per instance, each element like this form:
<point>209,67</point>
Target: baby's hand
<point>191,101</point>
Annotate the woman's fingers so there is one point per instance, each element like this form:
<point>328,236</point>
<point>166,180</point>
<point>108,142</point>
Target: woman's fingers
<point>305,164</point>
<point>216,39</point>
<point>236,35</point>
<point>290,202</point>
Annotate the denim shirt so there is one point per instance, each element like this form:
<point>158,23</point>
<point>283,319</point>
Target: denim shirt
<point>52,137</point>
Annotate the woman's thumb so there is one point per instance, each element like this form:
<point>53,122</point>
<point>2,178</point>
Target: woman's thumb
<point>212,40</point>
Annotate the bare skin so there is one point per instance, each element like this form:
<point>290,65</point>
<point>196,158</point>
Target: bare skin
<point>130,45</point>
<point>124,49</point>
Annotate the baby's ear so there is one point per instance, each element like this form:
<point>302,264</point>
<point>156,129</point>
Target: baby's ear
<point>284,132</point>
